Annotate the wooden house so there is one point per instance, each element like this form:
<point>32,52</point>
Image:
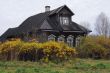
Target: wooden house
<point>54,25</point>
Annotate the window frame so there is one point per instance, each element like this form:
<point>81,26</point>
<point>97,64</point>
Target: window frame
<point>64,20</point>
<point>70,40</point>
<point>61,38</point>
<point>78,39</point>
<point>51,37</point>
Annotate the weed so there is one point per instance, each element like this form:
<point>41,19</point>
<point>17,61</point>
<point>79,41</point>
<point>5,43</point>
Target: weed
<point>99,66</point>
<point>21,70</point>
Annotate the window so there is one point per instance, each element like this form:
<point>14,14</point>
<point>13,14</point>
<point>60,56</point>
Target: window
<point>70,39</point>
<point>51,37</point>
<point>64,20</point>
<point>61,38</point>
<point>78,41</point>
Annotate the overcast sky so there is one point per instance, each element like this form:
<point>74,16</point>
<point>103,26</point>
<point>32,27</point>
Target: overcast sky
<point>14,12</point>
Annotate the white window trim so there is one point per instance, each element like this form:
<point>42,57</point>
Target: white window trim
<point>78,41</point>
<point>70,43</point>
<point>61,37</point>
<point>51,37</point>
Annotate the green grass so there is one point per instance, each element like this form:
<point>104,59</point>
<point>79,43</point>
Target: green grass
<point>73,66</point>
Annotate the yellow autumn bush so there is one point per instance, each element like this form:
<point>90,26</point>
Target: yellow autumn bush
<point>48,51</point>
<point>58,51</point>
<point>9,49</point>
<point>97,47</point>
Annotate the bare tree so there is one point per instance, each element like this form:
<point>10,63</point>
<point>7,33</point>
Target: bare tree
<point>102,26</point>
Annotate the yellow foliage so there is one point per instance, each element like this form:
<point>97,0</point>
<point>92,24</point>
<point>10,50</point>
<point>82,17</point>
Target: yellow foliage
<point>94,47</point>
<point>9,45</point>
<point>45,51</point>
<point>57,50</point>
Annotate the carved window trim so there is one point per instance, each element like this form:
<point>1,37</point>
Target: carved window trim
<point>61,38</point>
<point>70,40</point>
<point>78,41</point>
<point>51,37</point>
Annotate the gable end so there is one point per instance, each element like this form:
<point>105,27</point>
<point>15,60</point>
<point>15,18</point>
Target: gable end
<point>45,25</point>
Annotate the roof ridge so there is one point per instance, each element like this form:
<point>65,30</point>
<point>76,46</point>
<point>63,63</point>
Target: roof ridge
<point>61,8</point>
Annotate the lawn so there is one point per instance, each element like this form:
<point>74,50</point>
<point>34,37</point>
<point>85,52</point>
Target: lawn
<point>73,66</point>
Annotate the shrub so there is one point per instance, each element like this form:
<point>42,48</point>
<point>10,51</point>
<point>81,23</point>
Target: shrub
<point>104,41</point>
<point>9,49</point>
<point>28,51</point>
<point>92,47</point>
<point>48,51</point>
<point>92,51</point>
<point>57,51</point>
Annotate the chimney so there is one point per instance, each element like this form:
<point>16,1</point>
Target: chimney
<point>47,8</point>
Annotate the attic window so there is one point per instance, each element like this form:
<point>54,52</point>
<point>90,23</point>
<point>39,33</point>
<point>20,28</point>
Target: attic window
<point>64,20</point>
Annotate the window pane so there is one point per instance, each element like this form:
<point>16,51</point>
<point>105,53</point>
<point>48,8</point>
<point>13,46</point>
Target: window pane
<point>64,20</point>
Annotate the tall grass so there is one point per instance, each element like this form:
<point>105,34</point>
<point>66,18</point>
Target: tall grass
<point>78,66</point>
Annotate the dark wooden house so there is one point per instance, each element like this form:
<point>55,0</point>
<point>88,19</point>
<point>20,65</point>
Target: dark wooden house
<point>54,24</point>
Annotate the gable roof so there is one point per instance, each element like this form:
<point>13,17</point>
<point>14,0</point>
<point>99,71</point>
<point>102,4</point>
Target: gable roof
<point>36,21</point>
<point>57,10</point>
